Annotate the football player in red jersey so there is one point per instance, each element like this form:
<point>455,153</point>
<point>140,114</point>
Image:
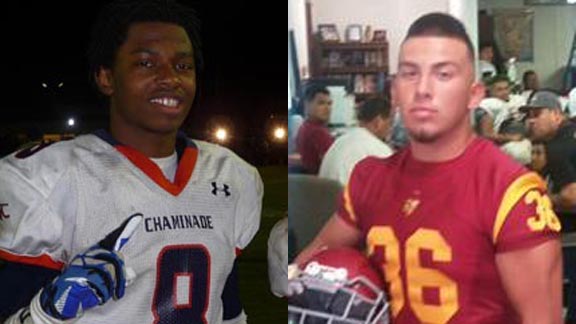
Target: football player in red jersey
<point>461,232</point>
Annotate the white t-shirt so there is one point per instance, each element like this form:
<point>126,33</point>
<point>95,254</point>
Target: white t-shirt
<point>486,67</point>
<point>65,197</point>
<point>168,165</point>
<point>572,102</point>
<point>502,110</point>
<point>349,149</point>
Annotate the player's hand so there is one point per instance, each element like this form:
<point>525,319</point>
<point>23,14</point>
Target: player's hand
<point>92,278</point>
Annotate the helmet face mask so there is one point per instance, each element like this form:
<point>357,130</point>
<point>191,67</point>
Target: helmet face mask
<point>339,294</point>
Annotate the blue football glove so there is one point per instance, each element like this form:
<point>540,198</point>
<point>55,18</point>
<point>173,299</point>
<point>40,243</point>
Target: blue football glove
<point>92,278</point>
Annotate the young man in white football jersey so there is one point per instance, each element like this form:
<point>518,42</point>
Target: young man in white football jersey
<point>187,207</point>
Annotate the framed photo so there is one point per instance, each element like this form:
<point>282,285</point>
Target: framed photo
<point>328,33</point>
<point>354,33</point>
<point>379,35</point>
<point>513,33</point>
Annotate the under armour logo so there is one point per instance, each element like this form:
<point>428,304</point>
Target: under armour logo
<point>224,189</point>
<point>2,213</point>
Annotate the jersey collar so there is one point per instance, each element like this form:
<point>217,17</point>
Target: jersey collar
<point>187,157</point>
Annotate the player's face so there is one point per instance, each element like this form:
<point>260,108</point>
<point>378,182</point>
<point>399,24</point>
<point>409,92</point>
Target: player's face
<point>435,87</point>
<point>153,81</point>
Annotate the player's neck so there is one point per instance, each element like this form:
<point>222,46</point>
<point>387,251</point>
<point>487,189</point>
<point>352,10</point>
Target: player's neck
<point>150,144</point>
<point>444,148</point>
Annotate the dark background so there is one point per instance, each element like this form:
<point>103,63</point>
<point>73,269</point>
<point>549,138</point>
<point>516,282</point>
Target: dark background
<point>242,86</point>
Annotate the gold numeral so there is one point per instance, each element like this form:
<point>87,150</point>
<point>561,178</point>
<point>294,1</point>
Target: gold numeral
<point>545,216</point>
<point>417,277</point>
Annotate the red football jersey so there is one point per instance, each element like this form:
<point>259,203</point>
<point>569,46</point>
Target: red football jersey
<point>434,229</point>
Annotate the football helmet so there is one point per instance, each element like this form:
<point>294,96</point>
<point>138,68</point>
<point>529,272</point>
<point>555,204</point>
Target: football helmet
<point>337,286</point>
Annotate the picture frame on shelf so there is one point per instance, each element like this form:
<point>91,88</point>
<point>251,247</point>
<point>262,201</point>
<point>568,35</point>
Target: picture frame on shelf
<point>354,33</point>
<point>379,36</point>
<point>328,33</point>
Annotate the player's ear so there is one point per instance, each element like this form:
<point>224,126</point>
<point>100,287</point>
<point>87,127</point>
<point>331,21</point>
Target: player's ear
<point>477,93</point>
<point>105,81</point>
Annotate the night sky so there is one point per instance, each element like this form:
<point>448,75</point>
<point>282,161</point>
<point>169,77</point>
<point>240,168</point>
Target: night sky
<point>243,83</point>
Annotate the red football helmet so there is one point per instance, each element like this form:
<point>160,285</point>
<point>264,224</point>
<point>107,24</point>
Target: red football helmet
<point>338,286</point>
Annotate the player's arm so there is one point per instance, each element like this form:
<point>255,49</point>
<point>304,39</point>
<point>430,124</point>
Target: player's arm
<point>91,279</point>
<point>233,313</point>
<point>335,233</point>
<point>528,250</point>
<point>533,281</point>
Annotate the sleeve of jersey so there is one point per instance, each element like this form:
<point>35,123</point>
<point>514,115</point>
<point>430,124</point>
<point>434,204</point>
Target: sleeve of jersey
<point>348,202</point>
<point>31,232</point>
<point>525,217</point>
<point>249,208</point>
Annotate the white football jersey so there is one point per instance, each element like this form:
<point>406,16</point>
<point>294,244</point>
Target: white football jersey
<point>61,199</point>
<point>278,258</point>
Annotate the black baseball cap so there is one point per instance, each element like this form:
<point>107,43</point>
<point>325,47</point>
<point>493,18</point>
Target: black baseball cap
<point>542,99</point>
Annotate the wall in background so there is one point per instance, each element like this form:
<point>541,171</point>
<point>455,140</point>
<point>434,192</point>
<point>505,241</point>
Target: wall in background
<point>554,28</point>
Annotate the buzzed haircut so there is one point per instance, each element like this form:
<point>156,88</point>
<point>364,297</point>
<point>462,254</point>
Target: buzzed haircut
<point>372,108</point>
<point>111,27</point>
<point>441,25</point>
<point>311,92</point>
<point>498,78</point>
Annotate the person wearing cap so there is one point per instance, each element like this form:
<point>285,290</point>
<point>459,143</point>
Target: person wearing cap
<point>547,122</point>
<point>374,125</point>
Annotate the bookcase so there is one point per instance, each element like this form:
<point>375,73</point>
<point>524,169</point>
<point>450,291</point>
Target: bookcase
<point>362,65</point>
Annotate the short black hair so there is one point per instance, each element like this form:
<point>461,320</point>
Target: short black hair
<point>526,75</point>
<point>498,78</point>
<point>443,25</point>
<point>485,45</point>
<point>372,108</point>
<point>311,92</point>
<point>114,20</point>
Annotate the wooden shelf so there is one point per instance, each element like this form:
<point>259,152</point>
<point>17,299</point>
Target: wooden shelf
<point>364,65</point>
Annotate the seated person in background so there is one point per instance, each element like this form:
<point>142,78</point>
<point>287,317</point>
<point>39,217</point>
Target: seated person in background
<point>530,83</point>
<point>518,147</point>
<point>501,103</point>
<point>313,138</point>
<point>547,123</point>
<point>538,157</point>
<point>483,121</point>
<point>374,123</point>
<point>486,58</point>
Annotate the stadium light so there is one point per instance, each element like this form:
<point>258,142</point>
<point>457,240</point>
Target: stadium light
<point>280,133</point>
<point>71,122</point>
<point>221,134</point>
